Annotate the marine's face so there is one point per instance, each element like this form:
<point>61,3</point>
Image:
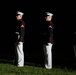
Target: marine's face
<point>48,18</point>
<point>19,17</point>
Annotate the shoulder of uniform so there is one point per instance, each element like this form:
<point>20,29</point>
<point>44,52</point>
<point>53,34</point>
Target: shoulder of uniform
<point>22,22</point>
<point>22,26</point>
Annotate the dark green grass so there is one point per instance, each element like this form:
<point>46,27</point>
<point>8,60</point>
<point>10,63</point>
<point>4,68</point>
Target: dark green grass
<point>7,67</point>
<point>10,69</point>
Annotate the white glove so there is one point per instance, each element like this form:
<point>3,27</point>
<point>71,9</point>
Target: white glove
<point>16,32</point>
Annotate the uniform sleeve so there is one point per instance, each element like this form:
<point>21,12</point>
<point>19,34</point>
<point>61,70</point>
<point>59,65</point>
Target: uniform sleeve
<point>51,26</point>
<point>22,31</point>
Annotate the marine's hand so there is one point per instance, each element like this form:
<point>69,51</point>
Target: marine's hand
<point>16,32</point>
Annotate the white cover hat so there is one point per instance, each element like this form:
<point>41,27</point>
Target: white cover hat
<point>20,13</point>
<point>48,13</point>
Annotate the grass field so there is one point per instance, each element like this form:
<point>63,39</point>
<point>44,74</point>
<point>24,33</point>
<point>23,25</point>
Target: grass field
<point>10,69</point>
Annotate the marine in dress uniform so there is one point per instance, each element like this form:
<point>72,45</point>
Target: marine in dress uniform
<point>20,31</point>
<point>48,34</point>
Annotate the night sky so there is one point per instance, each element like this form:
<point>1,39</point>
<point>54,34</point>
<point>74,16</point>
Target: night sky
<point>64,29</point>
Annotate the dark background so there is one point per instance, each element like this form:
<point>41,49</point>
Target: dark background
<point>64,29</point>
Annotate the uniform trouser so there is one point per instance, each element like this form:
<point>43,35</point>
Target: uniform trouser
<point>48,55</point>
<point>19,54</point>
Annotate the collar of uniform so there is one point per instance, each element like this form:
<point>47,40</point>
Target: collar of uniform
<point>48,21</point>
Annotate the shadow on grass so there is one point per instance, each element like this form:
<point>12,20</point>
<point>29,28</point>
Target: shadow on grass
<point>4,61</point>
<point>36,64</point>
